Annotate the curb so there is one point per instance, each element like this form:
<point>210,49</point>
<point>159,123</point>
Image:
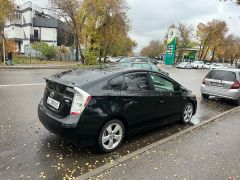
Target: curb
<point>116,162</point>
<point>37,67</point>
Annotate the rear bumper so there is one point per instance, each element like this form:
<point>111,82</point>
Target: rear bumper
<point>68,128</point>
<point>233,94</point>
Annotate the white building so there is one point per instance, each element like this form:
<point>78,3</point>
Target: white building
<point>31,23</point>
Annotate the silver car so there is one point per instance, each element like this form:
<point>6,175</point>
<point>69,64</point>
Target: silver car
<point>223,83</point>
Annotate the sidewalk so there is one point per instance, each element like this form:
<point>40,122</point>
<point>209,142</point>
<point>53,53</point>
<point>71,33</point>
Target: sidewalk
<point>209,152</point>
<point>41,66</point>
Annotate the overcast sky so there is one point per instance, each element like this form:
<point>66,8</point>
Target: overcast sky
<point>150,19</point>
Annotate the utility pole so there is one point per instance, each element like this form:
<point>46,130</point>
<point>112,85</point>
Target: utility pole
<point>4,52</point>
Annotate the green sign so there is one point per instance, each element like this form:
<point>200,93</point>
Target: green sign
<point>170,53</point>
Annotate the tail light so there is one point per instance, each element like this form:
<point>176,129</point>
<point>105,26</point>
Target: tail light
<point>204,82</point>
<point>236,85</point>
<point>80,101</point>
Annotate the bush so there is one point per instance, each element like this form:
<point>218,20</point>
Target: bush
<point>48,51</point>
<point>91,57</point>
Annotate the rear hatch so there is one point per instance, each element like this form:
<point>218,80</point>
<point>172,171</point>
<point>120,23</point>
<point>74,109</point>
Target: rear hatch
<point>220,79</point>
<point>58,97</point>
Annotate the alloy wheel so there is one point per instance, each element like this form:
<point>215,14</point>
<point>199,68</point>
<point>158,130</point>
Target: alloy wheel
<point>112,136</point>
<point>188,113</point>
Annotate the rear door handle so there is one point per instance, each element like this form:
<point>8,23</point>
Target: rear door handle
<point>128,100</point>
<point>160,100</point>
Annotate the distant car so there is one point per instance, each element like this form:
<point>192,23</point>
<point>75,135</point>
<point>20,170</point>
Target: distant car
<point>142,65</point>
<point>223,83</point>
<point>184,65</point>
<point>139,59</point>
<point>103,106</point>
<point>207,65</point>
<point>218,66</point>
<point>197,65</point>
<point>116,59</point>
<point>108,59</point>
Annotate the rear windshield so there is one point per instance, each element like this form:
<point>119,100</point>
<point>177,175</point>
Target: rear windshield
<point>222,75</point>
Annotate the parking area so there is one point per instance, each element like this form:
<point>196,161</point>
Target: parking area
<point>29,151</point>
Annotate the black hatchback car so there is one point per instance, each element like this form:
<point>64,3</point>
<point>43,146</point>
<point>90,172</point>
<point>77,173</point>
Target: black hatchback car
<point>102,106</point>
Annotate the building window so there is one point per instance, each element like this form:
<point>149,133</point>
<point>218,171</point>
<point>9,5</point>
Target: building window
<point>36,34</point>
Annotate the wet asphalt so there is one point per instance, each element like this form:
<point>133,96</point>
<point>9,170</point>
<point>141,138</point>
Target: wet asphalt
<point>29,151</point>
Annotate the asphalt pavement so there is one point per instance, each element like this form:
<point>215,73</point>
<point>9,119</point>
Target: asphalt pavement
<point>29,151</point>
<point>209,152</point>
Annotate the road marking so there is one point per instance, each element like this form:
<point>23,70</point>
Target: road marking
<point>19,85</point>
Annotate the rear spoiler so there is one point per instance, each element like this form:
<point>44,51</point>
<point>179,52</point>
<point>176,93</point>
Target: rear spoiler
<point>63,82</point>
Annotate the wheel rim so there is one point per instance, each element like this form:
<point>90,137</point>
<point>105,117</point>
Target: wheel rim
<point>188,112</point>
<point>112,136</point>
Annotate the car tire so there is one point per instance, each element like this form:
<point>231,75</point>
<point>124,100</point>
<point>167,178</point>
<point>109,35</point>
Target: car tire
<point>111,136</point>
<point>187,113</point>
<point>205,96</point>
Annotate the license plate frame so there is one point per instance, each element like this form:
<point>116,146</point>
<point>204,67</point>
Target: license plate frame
<point>215,84</point>
<point>53,103</point>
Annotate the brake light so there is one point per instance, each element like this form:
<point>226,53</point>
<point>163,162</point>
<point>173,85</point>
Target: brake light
<point>204,82</point>
<point>80,101</point>
<point>236,85</point>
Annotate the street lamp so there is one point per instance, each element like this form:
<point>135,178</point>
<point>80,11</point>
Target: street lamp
<point>4,55</point>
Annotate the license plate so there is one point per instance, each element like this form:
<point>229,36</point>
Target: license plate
<point>52,102</point>
<point>217,84</point>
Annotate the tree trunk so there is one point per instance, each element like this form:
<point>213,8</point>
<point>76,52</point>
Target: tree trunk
<point>100,55</point>
<point>81,54</point>
<point>204,57</point>
<point>213,55</point>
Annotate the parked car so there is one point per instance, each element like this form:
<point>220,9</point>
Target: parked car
<point>197,64</point>
<point>139,59</point>
<point>218,66</point>
<point>108,59</point>
<point>102,106</point>
<point>116,59</point>
<point>142,65</point>
<point>207,65</point>
<point>223,83</point>
<point>184,65</point>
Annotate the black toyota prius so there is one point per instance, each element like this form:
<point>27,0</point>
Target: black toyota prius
<point>102,106</point>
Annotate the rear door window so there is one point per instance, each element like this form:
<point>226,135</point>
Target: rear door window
<point>136,82</point>
<point>222,75</point>
<point>162,84</point>
<point>115,84</point>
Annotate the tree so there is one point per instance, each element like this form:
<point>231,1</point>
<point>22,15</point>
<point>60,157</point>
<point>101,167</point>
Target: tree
<point>154,49</point>
<point>184,38</point>
<point>123,47</point>
<point>106,25</point>
<point>70,11</point>
<point>230,51</point>
<point>237,2</point>
<point>6,10</point>
<point>210,36</point>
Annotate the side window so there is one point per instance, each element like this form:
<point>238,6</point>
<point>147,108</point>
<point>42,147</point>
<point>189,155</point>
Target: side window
<point>161,84</point>
<point>146,66</point>
<point>139,66</point>
<point>136,82</point>
<point>154,67</point>
<point>115,84</point>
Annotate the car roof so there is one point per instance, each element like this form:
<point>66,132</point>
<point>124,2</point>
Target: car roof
<point>232,70</point>
<point>84,77</point>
